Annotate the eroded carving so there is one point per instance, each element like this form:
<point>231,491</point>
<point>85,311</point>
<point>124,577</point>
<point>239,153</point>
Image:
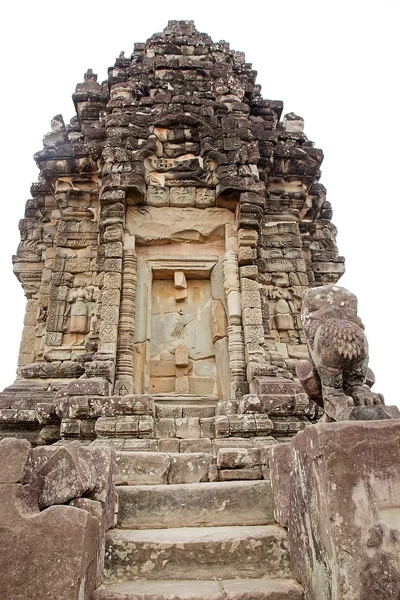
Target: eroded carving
<point>339,351</point>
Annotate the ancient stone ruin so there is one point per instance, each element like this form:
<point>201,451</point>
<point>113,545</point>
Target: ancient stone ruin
<point>184,349</point>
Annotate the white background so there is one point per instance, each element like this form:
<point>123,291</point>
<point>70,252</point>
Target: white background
<point>336,64</point>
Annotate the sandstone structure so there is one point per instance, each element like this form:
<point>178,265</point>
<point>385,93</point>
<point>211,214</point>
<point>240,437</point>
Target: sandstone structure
<point>177,221</point>
<point>177,224</point>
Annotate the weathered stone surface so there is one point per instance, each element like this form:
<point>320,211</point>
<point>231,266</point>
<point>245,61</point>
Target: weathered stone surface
<point>230,589</point>
<point>195,505</point>
<point>281,465</point>
<point>203,552</point>
<point>16,461</point>
<point>63,472</point>
<point>236,458</point>
<point>189,467</point>
<point>339,350</point>
<point>138,468</point>
<point>70,562</point>
<point>65,568</point>
<point>241,474</point>
<point>154,590</point>
<point>344,507</point>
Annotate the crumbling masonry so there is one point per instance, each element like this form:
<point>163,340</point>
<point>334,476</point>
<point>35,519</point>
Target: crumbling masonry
<point>177,223</point>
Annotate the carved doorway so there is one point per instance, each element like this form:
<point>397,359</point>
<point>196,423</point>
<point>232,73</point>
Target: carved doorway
<point>182,357</point>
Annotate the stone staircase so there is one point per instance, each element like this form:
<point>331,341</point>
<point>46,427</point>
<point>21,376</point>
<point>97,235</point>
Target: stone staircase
<point>194,541</point>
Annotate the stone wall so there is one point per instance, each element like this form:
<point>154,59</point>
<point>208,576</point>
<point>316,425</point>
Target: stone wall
<point>337,489</point>
<point>56,504</point>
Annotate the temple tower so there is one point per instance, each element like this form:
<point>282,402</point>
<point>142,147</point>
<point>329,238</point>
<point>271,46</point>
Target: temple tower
<point>175,225</point>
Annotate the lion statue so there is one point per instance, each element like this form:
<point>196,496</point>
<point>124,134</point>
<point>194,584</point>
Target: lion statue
<point>337,377</point>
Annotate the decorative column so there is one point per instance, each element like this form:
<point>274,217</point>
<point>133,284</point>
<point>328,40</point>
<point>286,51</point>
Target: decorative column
<point>126,327</point>
<point>235,331</point>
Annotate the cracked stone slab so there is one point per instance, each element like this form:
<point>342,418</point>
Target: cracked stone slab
<point>195,505</point>
<point>231,589</point>
<point>205,553</point>
<point>161,590</point>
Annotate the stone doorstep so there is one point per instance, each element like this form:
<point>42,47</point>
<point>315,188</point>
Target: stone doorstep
<point>194,465</point>
<point>204,552</point>
<point>195,505</point>
<point>135,468</point>
<point>174,445</point>
<point>175,410</point>
<point>185,399</point>
<point>225,589</point>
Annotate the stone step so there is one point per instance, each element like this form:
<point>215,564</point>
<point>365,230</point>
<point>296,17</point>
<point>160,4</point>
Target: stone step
<point>195,505</point>
<point>175,410</point>
<point>200,553</point>
<point>185,399</point>
<point>153,468</point>
<point>227,589</point>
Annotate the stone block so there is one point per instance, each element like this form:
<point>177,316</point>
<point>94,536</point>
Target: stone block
<point>240,474</point>
<point>234,304</point>
<point>252,316</point>
<point>188,427</point>
<point>79,407</point>
<point>137,404</point>
<point>164,428</point>
<point>248,237</point>
<point>162,368</point>
<point>170,445</point>
<point>189,467</point>
<point>181,356</point>
<point>127,426</point>
<point>272,386</point>
<point>238,458</point>
<point>140,445</point>
<point>204,198</point>
<point>281,466</point>
<point>157,196</point>
<point>168,411</point>
<point>198,411</point>
<point>182,385</point>
<point>195,505</point>
<point>146,426</point>
<point>182,196</point>
<point>246,255</point>
<point>180,280</point>
<point>344,507</point>
<point>70,428</point>
<point>242,425</point>
<point>264,425</point>
<point>225,552</point>
<point>105,427</point>
<point>253,334</point>
<point>207,427</point>
<point>249,404</point>
<point>87,387</point>
<point>277,405</point>
<point>70,540</point>
<point>249,271</point>
<point>251,299</point>
<point>141,468</point>
<point>15,461</point>
<point>63,473</point>
<point>100,368</point>
<point>221,426</point>
<point>196,445</point>
<point>272,589</point>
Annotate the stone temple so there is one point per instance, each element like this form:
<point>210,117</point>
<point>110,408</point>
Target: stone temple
<point>192,415</point>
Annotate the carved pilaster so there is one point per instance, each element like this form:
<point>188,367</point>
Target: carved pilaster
<point>126,327</point>
<point>235,331</point>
